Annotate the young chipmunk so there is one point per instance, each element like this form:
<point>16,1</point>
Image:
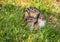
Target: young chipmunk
<point>31,22</point>
<point>31,15</point>
<point>31,12</point>
<point>42,20</point>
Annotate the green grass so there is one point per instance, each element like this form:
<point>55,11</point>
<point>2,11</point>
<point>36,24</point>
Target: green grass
<point>14,29</point>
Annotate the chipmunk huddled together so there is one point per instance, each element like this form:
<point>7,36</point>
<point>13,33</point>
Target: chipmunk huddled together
<point>34,18</point>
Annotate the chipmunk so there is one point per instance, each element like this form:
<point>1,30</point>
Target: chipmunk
<point>31,15</point>
<point>31,12</point>
<point>42,20</point>
<point>34,18</point>
<point>31,22</point>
